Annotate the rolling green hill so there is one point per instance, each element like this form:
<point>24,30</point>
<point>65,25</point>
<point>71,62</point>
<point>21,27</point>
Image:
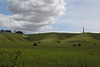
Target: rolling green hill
<point>13,39</point>
<point>49,37</point>
<point>80,38</point>
<point>64,37</point>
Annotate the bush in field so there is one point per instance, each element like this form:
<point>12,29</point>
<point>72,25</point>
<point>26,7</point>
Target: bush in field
<point>79,44</point>
<point>39,42</point>
<point>74,44</point>
<point>35,44</point>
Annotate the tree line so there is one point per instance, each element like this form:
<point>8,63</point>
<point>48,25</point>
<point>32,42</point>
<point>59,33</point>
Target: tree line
<point>9,31</point>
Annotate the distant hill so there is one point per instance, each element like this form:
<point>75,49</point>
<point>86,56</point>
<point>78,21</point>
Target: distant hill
<point>50,37</point>
<point>80,38</point>
<point>64,37</point>
<point>14,39</point>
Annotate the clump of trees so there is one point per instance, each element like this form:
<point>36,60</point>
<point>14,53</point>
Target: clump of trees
<point>19,32</point>
<point>5,31</point>
<point>9,31</point>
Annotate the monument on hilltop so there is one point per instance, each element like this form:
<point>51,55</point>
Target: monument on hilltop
<point>83,30</point>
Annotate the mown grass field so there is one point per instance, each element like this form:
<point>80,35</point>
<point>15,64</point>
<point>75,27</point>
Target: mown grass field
<point>18,51</point>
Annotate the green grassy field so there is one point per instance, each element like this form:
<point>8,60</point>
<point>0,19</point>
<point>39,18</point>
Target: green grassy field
<point>54,50</point>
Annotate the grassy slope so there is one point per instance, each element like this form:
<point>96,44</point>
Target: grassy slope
<point>10,39</point>
<point>64,37</point>
<point>80,38</point>
<point>96,36</point>
<point>17,39</point>
<point>49,37</point>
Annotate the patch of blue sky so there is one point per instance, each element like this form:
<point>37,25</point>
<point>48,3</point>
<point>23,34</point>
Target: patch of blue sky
<point>4,28</point>
<point>4,11</point>
<point>3,8</point>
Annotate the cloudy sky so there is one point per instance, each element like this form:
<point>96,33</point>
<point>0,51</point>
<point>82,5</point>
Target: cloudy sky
<point>50,15</point>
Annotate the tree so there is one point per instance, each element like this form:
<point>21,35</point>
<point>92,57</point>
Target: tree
<point>19,32</point>
<point>9,31</point>
<point>2,31</point>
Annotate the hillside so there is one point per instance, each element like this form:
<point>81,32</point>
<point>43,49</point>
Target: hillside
<point>12,39</point>
<point>80,38</point>
<point>49,37</point>
<point>64,37</point>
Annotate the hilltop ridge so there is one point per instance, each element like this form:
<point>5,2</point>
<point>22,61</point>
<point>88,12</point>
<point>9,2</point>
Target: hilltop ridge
<point>13,39</point>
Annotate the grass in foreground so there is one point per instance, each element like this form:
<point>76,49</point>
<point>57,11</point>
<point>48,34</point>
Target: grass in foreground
<point>53,55</point>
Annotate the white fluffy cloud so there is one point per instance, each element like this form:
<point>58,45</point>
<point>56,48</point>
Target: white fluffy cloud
<point>32,15</point>
<point>4,20</point>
